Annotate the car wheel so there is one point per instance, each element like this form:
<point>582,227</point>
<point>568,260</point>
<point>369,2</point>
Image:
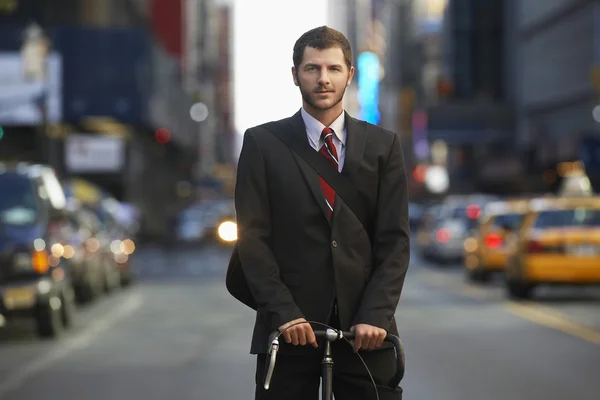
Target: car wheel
<point>518,290</point>
<point>86,292</point>
<point>478,275</point>
<point>67,309</point>
<point>49,321</point>
<point>112,279</point>
<point>127,279</point>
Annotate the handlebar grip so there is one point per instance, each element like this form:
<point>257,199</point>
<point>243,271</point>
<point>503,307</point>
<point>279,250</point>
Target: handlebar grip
<point>400,359</point>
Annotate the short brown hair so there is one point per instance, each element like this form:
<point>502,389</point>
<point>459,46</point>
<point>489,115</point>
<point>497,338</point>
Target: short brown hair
<point>322,38</point>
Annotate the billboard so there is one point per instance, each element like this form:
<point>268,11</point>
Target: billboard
<point>94,154</point>
<point>22,99</point>
<point>369,72</point>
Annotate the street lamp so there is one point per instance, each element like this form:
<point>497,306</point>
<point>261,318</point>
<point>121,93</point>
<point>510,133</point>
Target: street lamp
<point>34,53</point>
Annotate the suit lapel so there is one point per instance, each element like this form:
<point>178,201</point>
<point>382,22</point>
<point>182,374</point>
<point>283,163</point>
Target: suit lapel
<point>298,132</point>
<point>356,139</point>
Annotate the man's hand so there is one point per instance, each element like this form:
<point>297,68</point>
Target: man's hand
<point>368,336</point>
<point>300,334</point>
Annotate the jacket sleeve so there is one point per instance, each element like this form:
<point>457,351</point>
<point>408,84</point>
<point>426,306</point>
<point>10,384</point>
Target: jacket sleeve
<point>391,244</point>
<point>252,203</point>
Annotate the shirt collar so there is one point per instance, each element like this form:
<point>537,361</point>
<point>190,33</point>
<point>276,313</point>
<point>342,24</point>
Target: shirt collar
<point>314,127</point>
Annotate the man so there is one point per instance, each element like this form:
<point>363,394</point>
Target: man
<point>304,253</point>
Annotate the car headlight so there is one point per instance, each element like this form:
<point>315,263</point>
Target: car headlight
<point>36,261</point>
<point>228,231</point>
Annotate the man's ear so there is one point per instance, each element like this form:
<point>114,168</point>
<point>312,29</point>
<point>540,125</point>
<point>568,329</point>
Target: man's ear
<point>294,76</point>
<point>350,75</point>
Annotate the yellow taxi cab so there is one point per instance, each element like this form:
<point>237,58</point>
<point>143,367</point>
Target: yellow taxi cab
<point>557,243</point>
<point>485,250</point>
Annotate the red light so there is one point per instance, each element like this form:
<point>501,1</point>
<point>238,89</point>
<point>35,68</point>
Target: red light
<point>442,235</point>
<point>493,241</point>
<point>473,211</point>
<point>162,135</point>
<point>419,173</point>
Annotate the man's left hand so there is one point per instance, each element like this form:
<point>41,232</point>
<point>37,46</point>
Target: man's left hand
<point>368,336</point>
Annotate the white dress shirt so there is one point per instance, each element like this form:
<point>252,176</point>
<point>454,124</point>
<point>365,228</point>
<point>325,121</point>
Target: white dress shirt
<point>314,129</point>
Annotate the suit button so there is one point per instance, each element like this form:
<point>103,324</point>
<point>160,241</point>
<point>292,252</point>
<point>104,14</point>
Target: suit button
<point>334,243</point>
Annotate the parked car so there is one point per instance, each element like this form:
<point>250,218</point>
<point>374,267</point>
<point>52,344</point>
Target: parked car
<point>34,279</point>
<point>558,243</point>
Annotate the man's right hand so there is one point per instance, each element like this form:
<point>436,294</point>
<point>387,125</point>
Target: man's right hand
<point>300,334</point>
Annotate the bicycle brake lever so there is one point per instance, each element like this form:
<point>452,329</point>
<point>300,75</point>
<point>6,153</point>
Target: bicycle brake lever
<point>274,349</point>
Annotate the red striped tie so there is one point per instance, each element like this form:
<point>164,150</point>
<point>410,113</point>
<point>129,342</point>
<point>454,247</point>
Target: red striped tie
<point>330,153</point>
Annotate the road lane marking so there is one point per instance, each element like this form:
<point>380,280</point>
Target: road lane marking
<point>553,320</point>
<point>530,311</point>
<point>442,280</point>
<point>80,341</point>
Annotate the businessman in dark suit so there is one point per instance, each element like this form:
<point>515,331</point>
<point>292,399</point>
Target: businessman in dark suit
<point>305,254</point>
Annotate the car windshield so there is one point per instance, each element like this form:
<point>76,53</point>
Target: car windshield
<point>18,204</point>
<point>583,217</point>
<point>511,221</point>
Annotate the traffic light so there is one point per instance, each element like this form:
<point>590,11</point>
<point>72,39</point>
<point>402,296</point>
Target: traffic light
<point>1,133</point>
<point>162,135</point>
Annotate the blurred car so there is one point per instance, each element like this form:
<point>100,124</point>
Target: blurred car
<point>94,268</point>
<point>212,221</point>
<point>415,213</point>
<point>116,240</point>
<point>190,228</point>
<point>431,215</point>
<point>449,225</point>
<point>485,249</point>
<point>89,275</point>
<point>114,235</point>
<point>214,213</point>
<point>34,280</point>
<point>558,243</point>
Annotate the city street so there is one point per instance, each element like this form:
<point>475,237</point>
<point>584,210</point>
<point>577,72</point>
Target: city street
<point>176,333</point>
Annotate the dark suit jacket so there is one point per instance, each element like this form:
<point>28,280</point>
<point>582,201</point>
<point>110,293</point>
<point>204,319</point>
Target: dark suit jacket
<point>295,260</point>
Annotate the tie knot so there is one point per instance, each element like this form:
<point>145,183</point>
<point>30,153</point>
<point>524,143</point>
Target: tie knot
<point>327,135</point>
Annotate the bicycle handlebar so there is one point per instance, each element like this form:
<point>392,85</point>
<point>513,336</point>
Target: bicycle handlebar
<point>332,335</point>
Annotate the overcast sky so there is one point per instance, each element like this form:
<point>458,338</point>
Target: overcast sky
<point>264,36</point>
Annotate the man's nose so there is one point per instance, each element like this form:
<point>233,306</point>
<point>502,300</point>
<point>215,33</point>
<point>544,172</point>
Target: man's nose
<point>324,78</point>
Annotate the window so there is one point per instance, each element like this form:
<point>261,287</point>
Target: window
<point>19,202</point>
<point>568,218</point>
<point>511,221</point>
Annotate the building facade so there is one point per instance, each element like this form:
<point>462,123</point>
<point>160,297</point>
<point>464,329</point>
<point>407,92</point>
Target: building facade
<point>126,70</point>
<point>558,45</point>
<point>474,114</point>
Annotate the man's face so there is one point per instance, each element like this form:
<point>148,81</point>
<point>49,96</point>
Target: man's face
<point>323,77</point>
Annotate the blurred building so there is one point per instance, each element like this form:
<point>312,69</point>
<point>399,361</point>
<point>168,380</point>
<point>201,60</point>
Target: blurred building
<point>122,77</point>
<point>473,114</point>
<point>402,91</point>
<point>558,44</point>
<point>397,32</point>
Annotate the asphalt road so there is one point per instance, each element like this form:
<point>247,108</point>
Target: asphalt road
<point>176,333</point>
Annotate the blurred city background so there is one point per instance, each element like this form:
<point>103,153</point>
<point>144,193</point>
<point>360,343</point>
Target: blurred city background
<point>120,127</point>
